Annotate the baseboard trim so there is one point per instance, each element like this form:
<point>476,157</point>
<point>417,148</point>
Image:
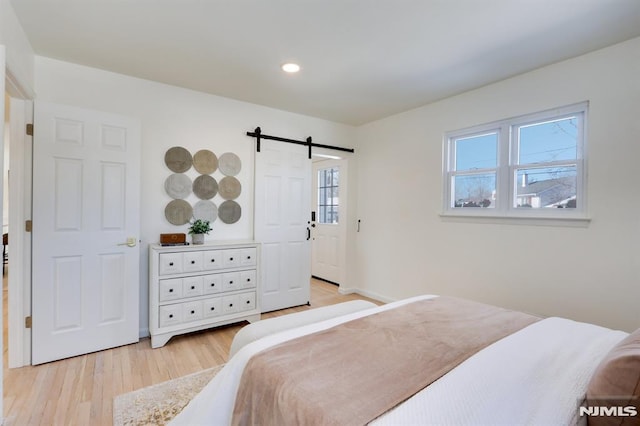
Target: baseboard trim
<point>366,293</point>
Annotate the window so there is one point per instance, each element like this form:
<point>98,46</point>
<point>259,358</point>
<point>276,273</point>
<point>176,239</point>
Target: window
<point>530,166</point>
<point>328,202</point>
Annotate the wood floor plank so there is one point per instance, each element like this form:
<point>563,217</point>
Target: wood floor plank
<point>80,390</point>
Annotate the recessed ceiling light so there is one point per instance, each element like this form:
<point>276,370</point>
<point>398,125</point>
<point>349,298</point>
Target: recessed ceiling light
<point>290,67</point>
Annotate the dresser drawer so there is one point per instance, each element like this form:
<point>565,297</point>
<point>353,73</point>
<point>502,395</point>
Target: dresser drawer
<point>247,301</point>
<point>248,278</point>
<point>192,286</point>
<point>232,258</point>
<point>170,289</point>
<point>212,307</point>
<point>248,257</point>
<point>212,283</point>
<point>170,263</point>
<point>192,261</point>
<point>231,281</point>
<point>212,259</point>
<point>230,304</point>
<point>192,311</point>
<point>170,315</point>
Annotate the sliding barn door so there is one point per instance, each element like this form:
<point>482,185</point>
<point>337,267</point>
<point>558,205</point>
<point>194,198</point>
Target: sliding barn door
<point>282,213</point>
<point>86,218</point>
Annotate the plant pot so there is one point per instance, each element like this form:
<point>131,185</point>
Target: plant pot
<point>197,239</point>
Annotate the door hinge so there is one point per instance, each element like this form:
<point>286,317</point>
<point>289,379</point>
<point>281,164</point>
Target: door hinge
<point>28,225</point>
<point>30,129</point>
<point>27,322</point>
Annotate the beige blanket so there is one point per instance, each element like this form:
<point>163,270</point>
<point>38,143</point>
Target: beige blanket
<point>352,373</point>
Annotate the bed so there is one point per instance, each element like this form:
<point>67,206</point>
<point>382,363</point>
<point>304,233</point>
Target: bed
<point>519,369</point>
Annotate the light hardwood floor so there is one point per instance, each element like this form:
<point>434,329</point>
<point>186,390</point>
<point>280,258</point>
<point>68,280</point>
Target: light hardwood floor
<point>80,390</point>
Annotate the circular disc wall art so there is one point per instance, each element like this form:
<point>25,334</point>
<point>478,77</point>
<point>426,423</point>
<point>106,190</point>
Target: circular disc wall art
<point>229,164</point>
<point>205,187</point>
<point>178,186</point>
<point>205,210</point>
<point>229,188</point>
<point>178,159</point>
<point>205,162</point>
<point>229,212</point>
<point>178,212</point>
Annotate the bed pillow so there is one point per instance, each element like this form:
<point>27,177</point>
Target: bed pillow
<point>616,382</point>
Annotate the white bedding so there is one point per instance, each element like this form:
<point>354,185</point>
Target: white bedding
<point>535,376</point>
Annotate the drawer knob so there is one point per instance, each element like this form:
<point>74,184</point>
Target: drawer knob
<point>213,309</point>
<point>170,263</point>
<point>170,290</point>
<point>231,259</point>
<point>193,312</point>
<point>193,287</point>
<point>170,315</point>
<point>213,284</point>
<point>231,282</point>
<point>248,257</point>
<point>193,262</point>
<point>248,302</point>
<point>213,260</point>
<point>248,280</point>
<point>231,305</point>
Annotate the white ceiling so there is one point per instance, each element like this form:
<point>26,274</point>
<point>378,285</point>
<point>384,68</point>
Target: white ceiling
<point>361,59</point>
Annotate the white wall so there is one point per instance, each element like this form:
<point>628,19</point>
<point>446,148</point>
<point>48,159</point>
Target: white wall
<point>19,54</point>
<point>590,274</point>
<point>173,116</point>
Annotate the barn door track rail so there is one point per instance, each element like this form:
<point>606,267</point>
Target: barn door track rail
<point>257,133</point>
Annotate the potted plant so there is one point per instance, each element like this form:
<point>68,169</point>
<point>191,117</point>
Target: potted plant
<point>198,228</point>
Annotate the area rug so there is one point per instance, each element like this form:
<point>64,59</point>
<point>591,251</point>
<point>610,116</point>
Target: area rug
<point>158,404</point>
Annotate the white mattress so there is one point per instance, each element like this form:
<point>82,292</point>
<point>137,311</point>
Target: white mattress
<point>535,376</point>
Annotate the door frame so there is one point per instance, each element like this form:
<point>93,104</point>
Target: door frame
<point>19,285</point>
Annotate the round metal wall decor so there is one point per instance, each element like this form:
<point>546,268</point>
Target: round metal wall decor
<point>178,212</point>
<point>205,187</point>
<point>178,186</point>
<point>205,210</point>
<point>178,159</point>
<point>229,188</point>
<point>229,164</point>
<point>229,212</point>
<point>205,162</point>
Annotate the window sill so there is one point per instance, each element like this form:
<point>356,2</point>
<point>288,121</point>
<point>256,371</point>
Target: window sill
<point>571,222</point>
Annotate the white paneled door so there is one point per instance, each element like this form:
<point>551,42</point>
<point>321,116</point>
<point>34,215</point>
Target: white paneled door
<point>86,189</point>
<point>328,230</point>
<point>282,220</point>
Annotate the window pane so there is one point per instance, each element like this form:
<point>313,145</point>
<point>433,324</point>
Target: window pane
<point>328,190</point>
<point>550,187</point>
<point>477,152</point>
<point>475,190</point>
<point>322,214</point>
<point>548,141</point>
<point>322,196</point>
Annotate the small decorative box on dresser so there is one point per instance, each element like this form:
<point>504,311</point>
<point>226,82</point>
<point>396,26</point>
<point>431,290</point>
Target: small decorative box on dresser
<point>201,286</point>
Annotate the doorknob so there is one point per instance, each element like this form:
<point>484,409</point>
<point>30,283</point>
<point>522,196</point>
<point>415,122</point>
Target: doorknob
<point>131,242</point>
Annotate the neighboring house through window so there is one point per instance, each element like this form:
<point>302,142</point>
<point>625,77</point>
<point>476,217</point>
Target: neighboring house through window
<point>529,166</point>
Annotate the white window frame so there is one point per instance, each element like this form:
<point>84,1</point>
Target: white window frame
<point>507,167</point>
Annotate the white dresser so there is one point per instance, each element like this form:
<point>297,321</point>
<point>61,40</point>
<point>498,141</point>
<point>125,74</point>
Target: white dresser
<point>196,287</point>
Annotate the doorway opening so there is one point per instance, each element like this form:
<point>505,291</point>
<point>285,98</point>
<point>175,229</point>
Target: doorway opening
<point>329,218</point>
